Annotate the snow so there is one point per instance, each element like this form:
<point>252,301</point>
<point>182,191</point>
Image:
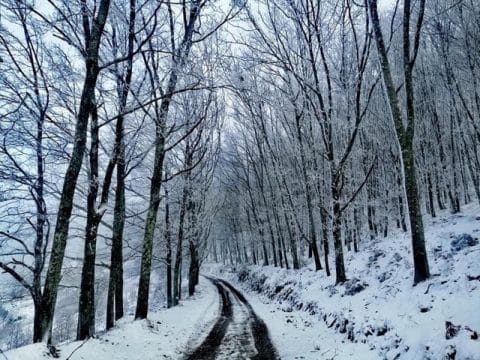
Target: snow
<point>236,343</point>
<point>297,335</point>
<point>167,334</point>
<point>390,318</point>
<point>310,318</point>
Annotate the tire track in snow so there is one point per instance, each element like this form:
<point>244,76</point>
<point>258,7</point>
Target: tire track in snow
<point>208,348</point>
<point>238,334</point>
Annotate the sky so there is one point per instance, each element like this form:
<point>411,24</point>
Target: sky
<point>386,4</point>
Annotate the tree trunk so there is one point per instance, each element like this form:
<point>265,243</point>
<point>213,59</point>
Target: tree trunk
<point>337,238</point>
<point>308,198</point>
<point>292,236</point>
<point>168,260</point>
<point>115,281</point>
<point>416,222</point>
<point>405,136</point>
<point>358,229</point>
<point>401,209</point>
<point>180,57</point>
<point>193,270</point>
<point>151,221</point>
<point>326,248</point>
<point>178,255</point>
<point>430,195</point>
<point>37,320</point>
<point>64,213</point>
<point>86,306</point>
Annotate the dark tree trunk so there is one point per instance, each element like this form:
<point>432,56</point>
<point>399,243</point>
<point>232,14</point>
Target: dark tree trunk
<point>372,223</point>
<point>326,248</point>
<point>178,287</point>
<point>168,238</point>
<point>115,281</point>
<point>86,306</point>
<point>193,270</point>
<point>179,59</point>
<point>337,238</point>
<point>181,233</point>
<point>37,321</point>
<point>357,236</point>
<point>64,213</point>
<point>401,208</point>
<point>431,201</point>
<point>405,135</point>
<point>150,223</point>
<point>416,223</point>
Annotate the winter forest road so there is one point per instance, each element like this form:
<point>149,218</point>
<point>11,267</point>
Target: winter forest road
<point>238,333</point>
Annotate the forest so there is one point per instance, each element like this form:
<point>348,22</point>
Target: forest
<point>143,141</point>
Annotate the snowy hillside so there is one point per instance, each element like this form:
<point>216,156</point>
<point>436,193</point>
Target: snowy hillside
<point>377,314</point>
<point>167,334</point>
<point>378,305</point>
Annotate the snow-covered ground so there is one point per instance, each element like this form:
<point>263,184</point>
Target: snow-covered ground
<point>297,335</point>
<point>167,334</point>
<point>378,314</point>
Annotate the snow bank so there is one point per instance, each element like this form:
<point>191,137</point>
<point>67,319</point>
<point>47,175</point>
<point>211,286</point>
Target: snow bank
<point>378,306</point>
<point>167,334</point>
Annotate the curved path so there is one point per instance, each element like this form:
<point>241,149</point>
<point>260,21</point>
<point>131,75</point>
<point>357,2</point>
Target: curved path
<point>238,333</point>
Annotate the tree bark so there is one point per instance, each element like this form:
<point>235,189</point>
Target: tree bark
<point>115,282</point>
<point>405,136</point>
<point>64,213</point>
<point>86,306</point>
<point>181,233</point>
<point>168,260</point>
<point>180,57</point>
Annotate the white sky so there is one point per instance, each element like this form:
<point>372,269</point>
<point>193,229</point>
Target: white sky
<point>386,4</point>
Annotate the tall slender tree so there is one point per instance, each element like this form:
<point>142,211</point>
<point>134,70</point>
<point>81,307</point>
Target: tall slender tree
<point>405,134</point>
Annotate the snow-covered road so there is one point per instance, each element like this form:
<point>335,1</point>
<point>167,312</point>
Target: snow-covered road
<point>238,333</point>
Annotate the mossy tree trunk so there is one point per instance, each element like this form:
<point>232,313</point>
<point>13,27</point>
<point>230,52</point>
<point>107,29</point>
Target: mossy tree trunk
<point>405,136</point>
<point>93,36</point>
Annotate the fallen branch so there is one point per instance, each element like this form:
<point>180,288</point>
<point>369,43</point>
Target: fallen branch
<point>428,288</point>
<point>76,349</point>
<point>5,356</point>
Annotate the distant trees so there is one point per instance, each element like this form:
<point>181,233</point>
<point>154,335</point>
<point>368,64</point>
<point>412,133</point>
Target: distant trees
<point>317,89</point>
<point>311,138</point>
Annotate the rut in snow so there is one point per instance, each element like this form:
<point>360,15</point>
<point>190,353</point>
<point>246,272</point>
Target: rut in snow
<point>238,333</point>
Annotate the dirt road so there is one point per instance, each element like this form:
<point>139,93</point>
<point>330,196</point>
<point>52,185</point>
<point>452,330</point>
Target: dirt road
<point>238,333</point>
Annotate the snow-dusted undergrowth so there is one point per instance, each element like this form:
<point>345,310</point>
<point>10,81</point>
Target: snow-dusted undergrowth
<point>379,306</point>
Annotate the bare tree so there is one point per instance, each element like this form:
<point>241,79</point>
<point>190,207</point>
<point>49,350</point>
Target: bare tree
<point>405,135</point>
<point>26,88</point>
